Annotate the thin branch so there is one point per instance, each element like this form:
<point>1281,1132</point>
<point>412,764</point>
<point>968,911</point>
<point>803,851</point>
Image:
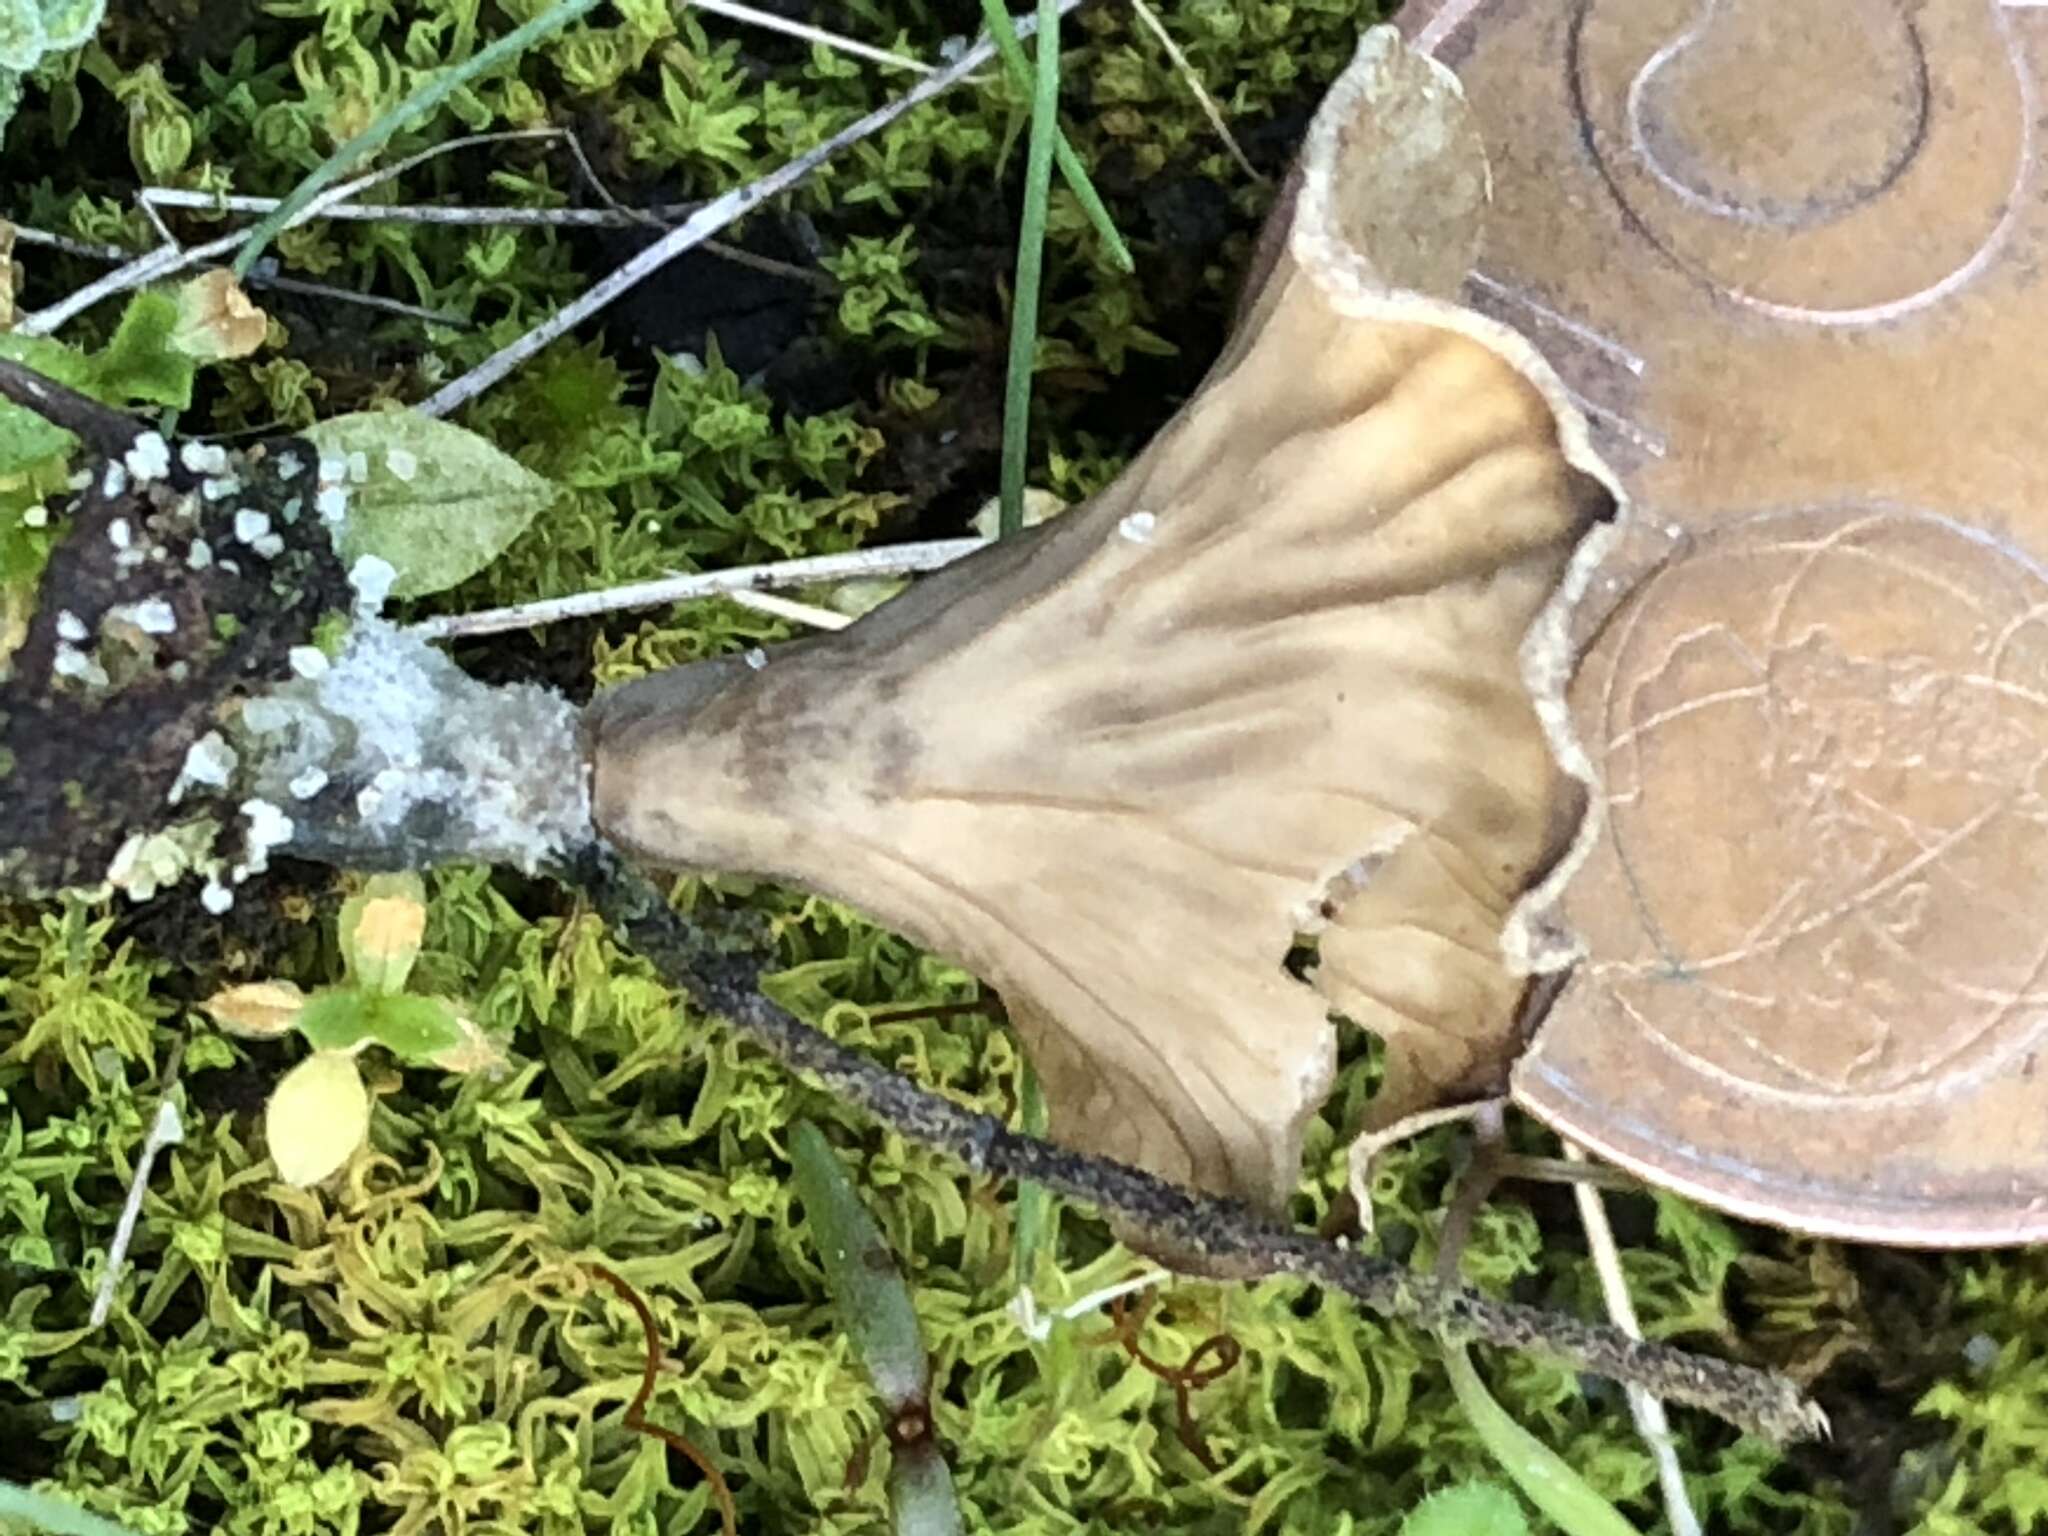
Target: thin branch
<point>70,245</point>
<point>165,261</point>
<point>808,614</point>
<point>1646,1409</point>
<point>432,213</point>
<point>698,228</point>
<point>1194,82</point>
<point>166,1130</point>
<point>1231,1238</point>
<point>421,104</point>
<point>334,295</point>
<point>770,22</point>
<point>101,427</point>
<point>859,564</point>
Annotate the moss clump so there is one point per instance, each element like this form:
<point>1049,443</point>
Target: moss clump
<point>420,1348</point>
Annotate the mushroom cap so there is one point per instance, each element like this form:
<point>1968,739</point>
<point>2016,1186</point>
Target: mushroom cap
<point>1278,679</point>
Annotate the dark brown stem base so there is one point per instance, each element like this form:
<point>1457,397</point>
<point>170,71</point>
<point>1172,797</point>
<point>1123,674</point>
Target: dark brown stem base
<point>1238,1239</point>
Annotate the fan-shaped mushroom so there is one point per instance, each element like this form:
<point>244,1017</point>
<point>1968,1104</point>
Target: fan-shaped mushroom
<point>1279,678</point>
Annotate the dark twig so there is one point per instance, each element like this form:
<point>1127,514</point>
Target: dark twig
<point>1230,1237</point>
<point>101,427</point>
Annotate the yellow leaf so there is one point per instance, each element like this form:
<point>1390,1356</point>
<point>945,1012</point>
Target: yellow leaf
<point>216,319</point>
<point>256,1010</point>
<point>478,1052</point>
<point>317,1117</point>
<point>381,936</point>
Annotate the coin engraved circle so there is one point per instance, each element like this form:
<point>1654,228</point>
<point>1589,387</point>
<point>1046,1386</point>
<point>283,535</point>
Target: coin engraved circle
<point>1830,176</point>
<point>1824,736</point>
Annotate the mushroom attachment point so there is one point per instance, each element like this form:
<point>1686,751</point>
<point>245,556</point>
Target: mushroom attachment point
<point>1122,778</point>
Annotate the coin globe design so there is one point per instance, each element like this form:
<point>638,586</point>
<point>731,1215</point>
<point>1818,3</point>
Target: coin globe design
<point>1824,736</point>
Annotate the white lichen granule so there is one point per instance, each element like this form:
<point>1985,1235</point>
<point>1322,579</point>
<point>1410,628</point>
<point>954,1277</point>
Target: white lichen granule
<point>308,784</point>
<point>332,504</point>
<point>1137,527</point>
<point>119,534</point>
<point>116,481</point>
<point>37,516</point>
<point>149,458</point>
<point>153,616</point>
<point>251,525</point>
<point>289,465</point>
<point>71,662</point>
<point>203,458</point>
<point>372,576</point>
<point>308,660</point>
<point>402,464</point>
<point>269,828</point>
<point>220,488</point>
<point>209,762</point>
<point>215,897</point>
<point>268,547</point>
<point>200,555</point>
<point>70,626</point>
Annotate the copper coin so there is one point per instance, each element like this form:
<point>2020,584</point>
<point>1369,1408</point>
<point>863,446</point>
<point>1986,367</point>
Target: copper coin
<point>1788,254</point>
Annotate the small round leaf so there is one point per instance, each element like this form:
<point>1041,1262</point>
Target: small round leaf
<point>414,1028</point>
<point>336,1019</point>
<point>316,1118</point>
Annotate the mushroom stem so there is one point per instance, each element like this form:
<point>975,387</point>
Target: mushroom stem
<point>1247,1245</point>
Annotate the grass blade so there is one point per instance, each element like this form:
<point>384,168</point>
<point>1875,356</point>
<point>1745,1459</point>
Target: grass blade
<point>417,105</point>
<point>1545,1478</point>
<point>921,1497</point>
<point>1045,106</point>
<point>867,1283</point>
<point>1065,156</point>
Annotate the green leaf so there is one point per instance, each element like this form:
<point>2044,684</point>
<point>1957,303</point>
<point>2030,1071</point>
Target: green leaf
<point>1546,1478</point>
<point>337,1019</point>
<point>53,1515</point>
<point>921,1497</point>
<point>1469,1509</point>
<point>26,440</point>
<point>139,365</point>
<point>414,1028</point>
<point>873,1297</point>
<point>68,23</point>
<point>436,501</point>
<point>22,37</point>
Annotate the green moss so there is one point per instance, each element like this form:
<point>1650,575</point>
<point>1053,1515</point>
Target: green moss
<point>421,1350</point>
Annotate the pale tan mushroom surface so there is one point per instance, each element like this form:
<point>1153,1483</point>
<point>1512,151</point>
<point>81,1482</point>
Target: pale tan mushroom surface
<point>1279,678</point>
